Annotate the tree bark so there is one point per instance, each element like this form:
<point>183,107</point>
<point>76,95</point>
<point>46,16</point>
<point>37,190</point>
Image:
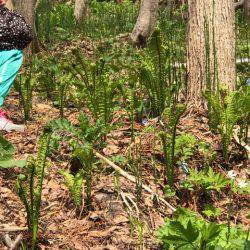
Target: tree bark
<point>9,5</point>
<point>145,23</point>
<point>220,20</point>
<point>28,9</point>
<point>80,10</point>
<point>246,7</point>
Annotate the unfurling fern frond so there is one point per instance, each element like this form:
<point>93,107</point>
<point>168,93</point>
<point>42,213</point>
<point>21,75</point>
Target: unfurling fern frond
<point>155,75</point>
<point>227,109</point>
<point>74,184</point>
<point>97,89</point>
<point>171,118</point>
<point>30,186</point>
<point>85,154</point>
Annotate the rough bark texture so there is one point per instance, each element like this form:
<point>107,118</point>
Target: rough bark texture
<point>246,6</point>
<point>222,26</point>
<point>145,23</point>
<point>28,8</point>
<point>80,10</point>
<point>9,5</point>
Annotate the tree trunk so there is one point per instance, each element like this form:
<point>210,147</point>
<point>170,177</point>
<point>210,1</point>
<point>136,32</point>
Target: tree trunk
<point>246,7</point>
<point>28,9</point>
<point>9,5</point>
<point>218,16</point>
<point>145,23</point>
<point>80,10</point>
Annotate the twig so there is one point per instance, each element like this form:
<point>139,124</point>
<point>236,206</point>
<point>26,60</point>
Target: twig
<point>17,242</point>
<point>126,198</point>
<point>12,244</point>
<point>7,240</point>
<point>245,146</point>
<point>7,228</point>
<point>132,178</point>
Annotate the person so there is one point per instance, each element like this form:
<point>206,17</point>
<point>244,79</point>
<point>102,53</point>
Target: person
<point>15,35</point>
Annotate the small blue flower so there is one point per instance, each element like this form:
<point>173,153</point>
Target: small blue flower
<point>184,167</point>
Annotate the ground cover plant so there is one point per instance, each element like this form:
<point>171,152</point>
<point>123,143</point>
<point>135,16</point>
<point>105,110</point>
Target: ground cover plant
<point>117,153</point>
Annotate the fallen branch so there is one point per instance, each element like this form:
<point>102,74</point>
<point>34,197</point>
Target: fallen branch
<point>242,144</point>
<point>12,244</point>
<point>8,228</point>
<point>132,178</point>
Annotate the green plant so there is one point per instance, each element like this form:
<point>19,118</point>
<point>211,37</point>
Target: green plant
<point>136,224</point>
<point>227,108</point>
<point>7,151</point>
<point>153,75</point>
<point>74,184</point>
<point>29,186</point>
<point>85,154</point>
<point>74,181</point>
<point>186,230</point>
<point>171,118</point>
<point>206,179</point>
<point>135,163</point>
<point>81,133</point>
<point>211,212</point>
<point>26,84</point>
<point>208,153</point>
<point>81,140</point>
<point>184,147</point>
<point>95,85</point>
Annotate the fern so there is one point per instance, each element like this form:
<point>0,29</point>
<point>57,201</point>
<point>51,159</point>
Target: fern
<point>74,184</point>
<point>86,155</point>
<point>81,140</point>
<point>26,85</point>
<point>30,185</point>
<point>159,75</point>
<point>168,137</point>
<point>226,111</point>
<point>96,87</point>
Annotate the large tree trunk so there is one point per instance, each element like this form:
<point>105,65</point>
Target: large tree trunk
<point>9,5</point>
<point>145,23</point>
<point>220,22</point>
<point>247,10</point>
<point>28,9</point>
<point>80,10</point>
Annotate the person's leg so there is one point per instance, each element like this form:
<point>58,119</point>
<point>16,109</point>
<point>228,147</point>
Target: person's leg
<point>10,63</point>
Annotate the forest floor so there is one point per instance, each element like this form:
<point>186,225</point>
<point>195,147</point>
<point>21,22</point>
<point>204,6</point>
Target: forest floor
<point>108,225</point>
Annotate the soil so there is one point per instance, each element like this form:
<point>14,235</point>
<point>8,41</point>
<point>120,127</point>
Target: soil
<point>108,224</point>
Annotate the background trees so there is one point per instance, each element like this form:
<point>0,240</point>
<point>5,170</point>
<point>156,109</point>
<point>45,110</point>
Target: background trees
<point>80,9</point>
<point>145,23</point>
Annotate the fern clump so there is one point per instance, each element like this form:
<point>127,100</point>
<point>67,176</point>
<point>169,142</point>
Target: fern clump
<point>81,140</point>
<point>29,186</point>
<point>74,181</point>
<point>74,184</point>
<point>95,85</point>
<point>159,75</point>
<point>226,110</point>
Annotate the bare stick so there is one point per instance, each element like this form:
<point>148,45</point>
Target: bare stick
<point>132,178</point>
<point>17,242</point>
<point>7,240</point>
<point>7,228</point>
